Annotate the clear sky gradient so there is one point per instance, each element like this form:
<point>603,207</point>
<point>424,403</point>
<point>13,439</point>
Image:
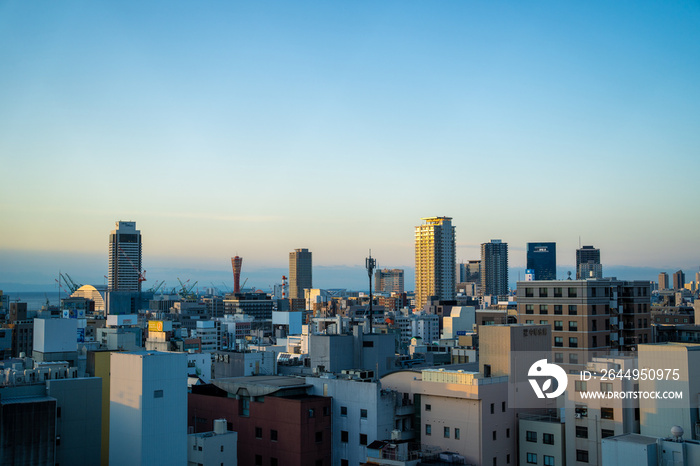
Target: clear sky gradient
<point>257,127</point>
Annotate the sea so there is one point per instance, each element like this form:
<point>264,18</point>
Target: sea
<point>36,299</point>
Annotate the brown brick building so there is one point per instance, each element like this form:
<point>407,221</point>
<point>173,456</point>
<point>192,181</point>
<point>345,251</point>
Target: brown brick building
<point>277,421</point>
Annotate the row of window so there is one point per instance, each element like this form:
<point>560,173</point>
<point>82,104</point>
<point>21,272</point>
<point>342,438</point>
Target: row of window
<point>275,462</point>
<point>344,412</point>
<point>345,437</point>
<point>547,439</point>
<point>547,460</point>
<point>556,292</point>
<point>446,432</point>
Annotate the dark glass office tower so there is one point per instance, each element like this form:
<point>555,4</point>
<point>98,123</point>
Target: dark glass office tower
<point>542,258</point>
<point>587,255</point>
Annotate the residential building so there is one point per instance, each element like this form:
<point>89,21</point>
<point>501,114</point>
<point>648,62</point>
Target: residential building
<point>148,408</point>
<point>362,412</point>
<point>644,450</point>
<point>590,419</point>
<point>542,258</point>
<point>300,273</point>
<point>359,350</point>
<point>541,439</point>
<point>435,260</point>
<point>682,361</point>
<point>277,419</point>
<point>125,258</point>
<point>219,446</point>
<point>494,268</point>
<point>588,255</point>
<point>388,281</point>
<point>587,317</point>
<point>679,280</point>
<point>48,415</point>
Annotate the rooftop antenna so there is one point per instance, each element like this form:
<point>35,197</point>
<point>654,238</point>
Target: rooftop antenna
<point>370,265</point>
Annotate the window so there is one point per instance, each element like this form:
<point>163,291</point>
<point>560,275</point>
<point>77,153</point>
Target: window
<point>258,460</point>
<point>258,432</point>
<point>558,325</point>
<point>557,309</point>
<point>580,386</point>
<point>529,321</point>
<point>58,411</point>
<point>529,292</point>
<point>531,436</point>
<point>529,309</point>
<point>344,436</point>
<point>548,460</point>
<point>548,439</point>
<point>581,432</point>
<point>544,322</point>
<point>606,386</point>
<point>319,436</point>
<point>573,326</point>
<point>593,292</point>
<point>507,433</point>
<point>245,406</point>
<point>573,309</point>
<point>428,407</point>
<point>605,433</point>
<point>368,344</point>
<point>607,413</point>
<point>557,292</point>
<point>582,456</point>
<point>581,411</point>
<point>543,309</point>
<point>572,292</point>
<point>344,463</point>
<point>543,292</point>
<point>326,410</point>
<point>493,408</point>
<point>508,458</point>
<point>558,357</point>
<point>493,435</point>
<point>573,358</point>
<point>343,410</point>
<point>312,412</point>
<point>363,414</point>
<point>363,439</point>
<point>532,458</point>
<point>573,342</point>
<point>273,461</point>
<point>222,448</point>
<point>594,340</point>
<point>558,341</point>
<point>157,393</point>
<point>456,433</point>
<point>446,432</point>
<point>273,435</point>
<point>428,428</point>
<point>503,406</point>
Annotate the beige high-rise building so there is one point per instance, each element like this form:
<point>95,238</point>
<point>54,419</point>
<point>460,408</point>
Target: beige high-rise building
<point>435,259</point>
<point>299,272</point>
<point>663,281</point>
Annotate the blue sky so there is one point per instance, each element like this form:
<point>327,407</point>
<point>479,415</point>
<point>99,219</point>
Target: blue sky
<point>254,128</point>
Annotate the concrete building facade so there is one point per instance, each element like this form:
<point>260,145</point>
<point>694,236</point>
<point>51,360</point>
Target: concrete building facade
<point>300,272</point>
<point>125,255</point>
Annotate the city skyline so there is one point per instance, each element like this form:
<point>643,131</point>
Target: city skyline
<point>579,107</point>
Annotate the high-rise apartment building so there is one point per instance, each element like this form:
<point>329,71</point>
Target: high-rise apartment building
<point>588,317</point>
<point>388,281</point>
<point>125,258</point>
<point>299,272</point>
<point>542,258</point>
<point>435,260</point>
<point>678,280</point>
<point>494,268</point>
<point>588,255</point>
<point>469,271</point>
<point>663,281</point>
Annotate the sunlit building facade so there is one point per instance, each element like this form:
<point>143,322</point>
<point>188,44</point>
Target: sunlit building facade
<point>435,260</point>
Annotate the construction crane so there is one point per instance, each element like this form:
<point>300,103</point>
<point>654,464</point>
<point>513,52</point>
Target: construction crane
<point>156,287</point>
<point>186,293</point>
<point>70,283</point>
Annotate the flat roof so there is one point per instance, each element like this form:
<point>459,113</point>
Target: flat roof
<point>259,385</point>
